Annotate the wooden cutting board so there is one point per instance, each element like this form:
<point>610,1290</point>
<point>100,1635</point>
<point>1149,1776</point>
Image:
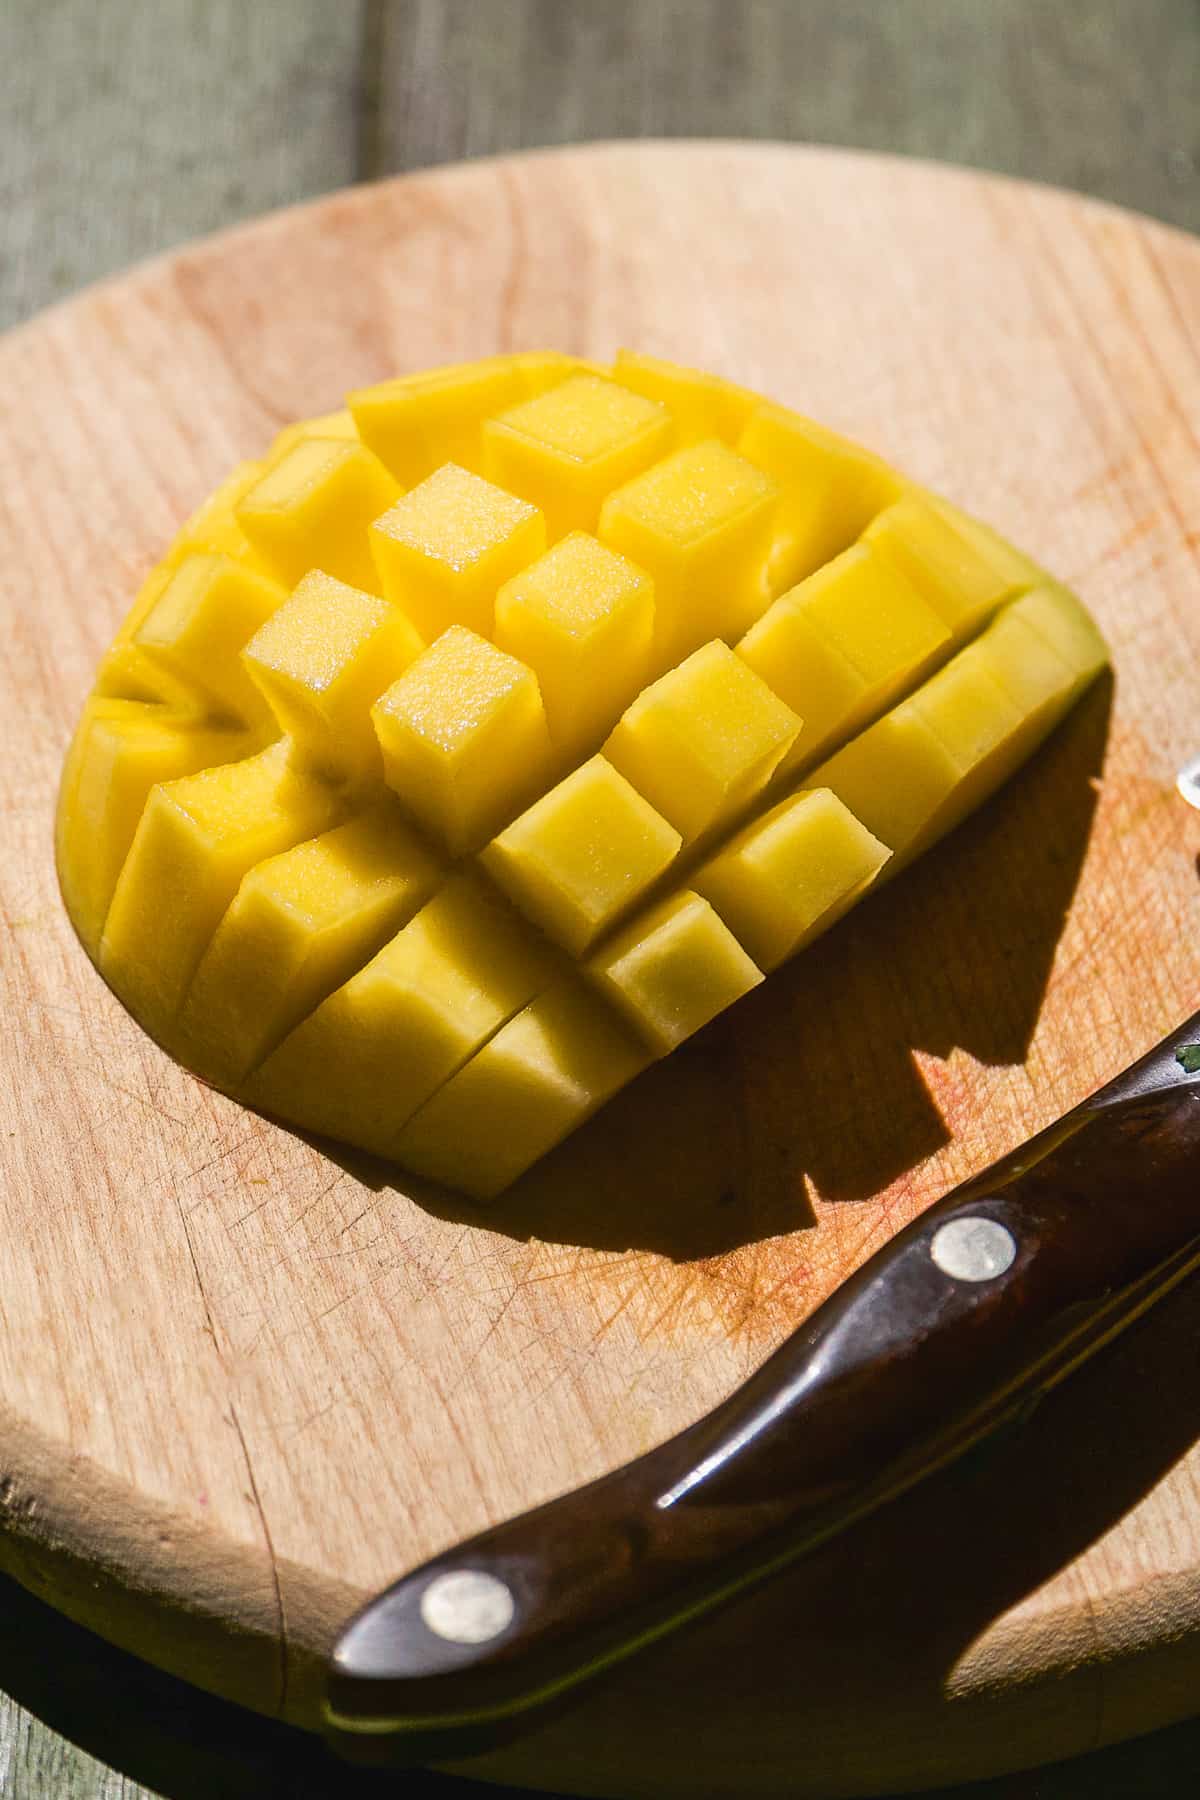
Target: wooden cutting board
<point>245,1379</point>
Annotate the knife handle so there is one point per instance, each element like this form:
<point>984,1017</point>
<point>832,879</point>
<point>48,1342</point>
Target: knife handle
<point>990,1297</point>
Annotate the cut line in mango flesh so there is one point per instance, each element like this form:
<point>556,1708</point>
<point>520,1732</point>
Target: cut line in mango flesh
<point>481,742</point>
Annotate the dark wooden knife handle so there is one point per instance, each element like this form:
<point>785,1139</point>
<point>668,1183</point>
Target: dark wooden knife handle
<point>991,1296</point>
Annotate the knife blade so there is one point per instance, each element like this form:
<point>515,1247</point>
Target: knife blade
<point>963,1320</point>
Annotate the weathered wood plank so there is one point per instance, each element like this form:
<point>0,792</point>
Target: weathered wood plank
<point>128,127</point>
<point>1090,95</point>
<point>35,1763</point>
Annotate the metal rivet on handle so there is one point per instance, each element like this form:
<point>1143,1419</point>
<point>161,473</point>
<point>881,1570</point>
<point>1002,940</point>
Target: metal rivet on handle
<point>973,1249</point>
<point>1188,782</point>
<point>467,1606</point>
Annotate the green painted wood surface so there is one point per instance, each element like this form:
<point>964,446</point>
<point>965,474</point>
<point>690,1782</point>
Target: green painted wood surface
<point>132,125</point>
<point>129,126</point>
<point>1093,94</point>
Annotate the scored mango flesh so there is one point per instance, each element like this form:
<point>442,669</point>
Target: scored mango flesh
<point>485,740</point>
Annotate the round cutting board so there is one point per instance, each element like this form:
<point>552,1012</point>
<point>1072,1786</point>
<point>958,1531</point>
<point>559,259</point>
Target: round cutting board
<point>246,1378</point>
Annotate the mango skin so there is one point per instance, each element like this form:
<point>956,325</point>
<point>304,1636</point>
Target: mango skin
<point>479,743</point>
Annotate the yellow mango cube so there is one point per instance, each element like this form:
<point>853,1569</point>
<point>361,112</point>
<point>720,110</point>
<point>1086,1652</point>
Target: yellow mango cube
<point>1058,617</point>
<point>675,968</point>
<point>703,740</point>
<point>122,749</point>
<point>843,644</point>
<point>329,425</point>
<point>405,1022</point>
<point>538,370</point>
<point>701,523</point>
<point>988,732</point>
<point>937,755</point>
<point>898,774</point>
<point>987,542</point>
<point>1041,651</point>
<point>702,405</point>
<point>790,874</point>
<point>582,618</point>
<point>214,526</point>
<point>445,550</point>
<point>539,1078</point>
<point>313,508</point>
<point>148,594</point>
<point>464,739</point>
<point>961,575</point>
<point>830,489</point>
<point>1020,660</point>
<point>128,673</point>
<point>913,774</point>
<point>196,839</point>
<point>567,449</point>
<point>415,423</point>
<point>300,925</point>
<point>583,854</point>
<point>321,662</point>
<point>206,614</point>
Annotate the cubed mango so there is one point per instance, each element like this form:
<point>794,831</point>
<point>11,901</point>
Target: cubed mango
<point>321,661</point>
<point>464,738</point>
<point>842,645</point>
<point>313,508</point>
<point>427,818</point>
<point>538,1079</point>
<point>583,854</point>
<point>703,740</point>
<point>415,423</point>
<point>789,874</point>
<point>444,551</point>
<point>196,839</point>
<point>701,523</point>
<point>366,1059</point>
<point>702,405</point>
<point>675,968</point>
<point>214,526</point>
<point>201,622</point>
<point>301,924</point>
<point>962,576</point>
<point>567,449</point>
<point>582,618</point>
<point>829,489</point>
<point>122,750</point>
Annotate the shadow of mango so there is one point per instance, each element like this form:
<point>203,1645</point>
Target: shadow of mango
<point>812,1076</point>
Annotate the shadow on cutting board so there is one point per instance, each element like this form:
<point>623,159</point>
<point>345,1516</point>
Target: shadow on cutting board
<point>813,1075</point>
<point>907,1590</point>
<point>890,1609</point>
<point>683,1164</point>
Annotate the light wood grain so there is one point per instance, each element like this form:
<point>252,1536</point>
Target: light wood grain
<point>243,1382</point>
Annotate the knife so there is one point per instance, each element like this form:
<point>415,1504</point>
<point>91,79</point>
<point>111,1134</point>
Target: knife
<point>958,1325</point>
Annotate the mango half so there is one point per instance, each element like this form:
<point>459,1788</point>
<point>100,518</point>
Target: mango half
<point>485,740</point>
